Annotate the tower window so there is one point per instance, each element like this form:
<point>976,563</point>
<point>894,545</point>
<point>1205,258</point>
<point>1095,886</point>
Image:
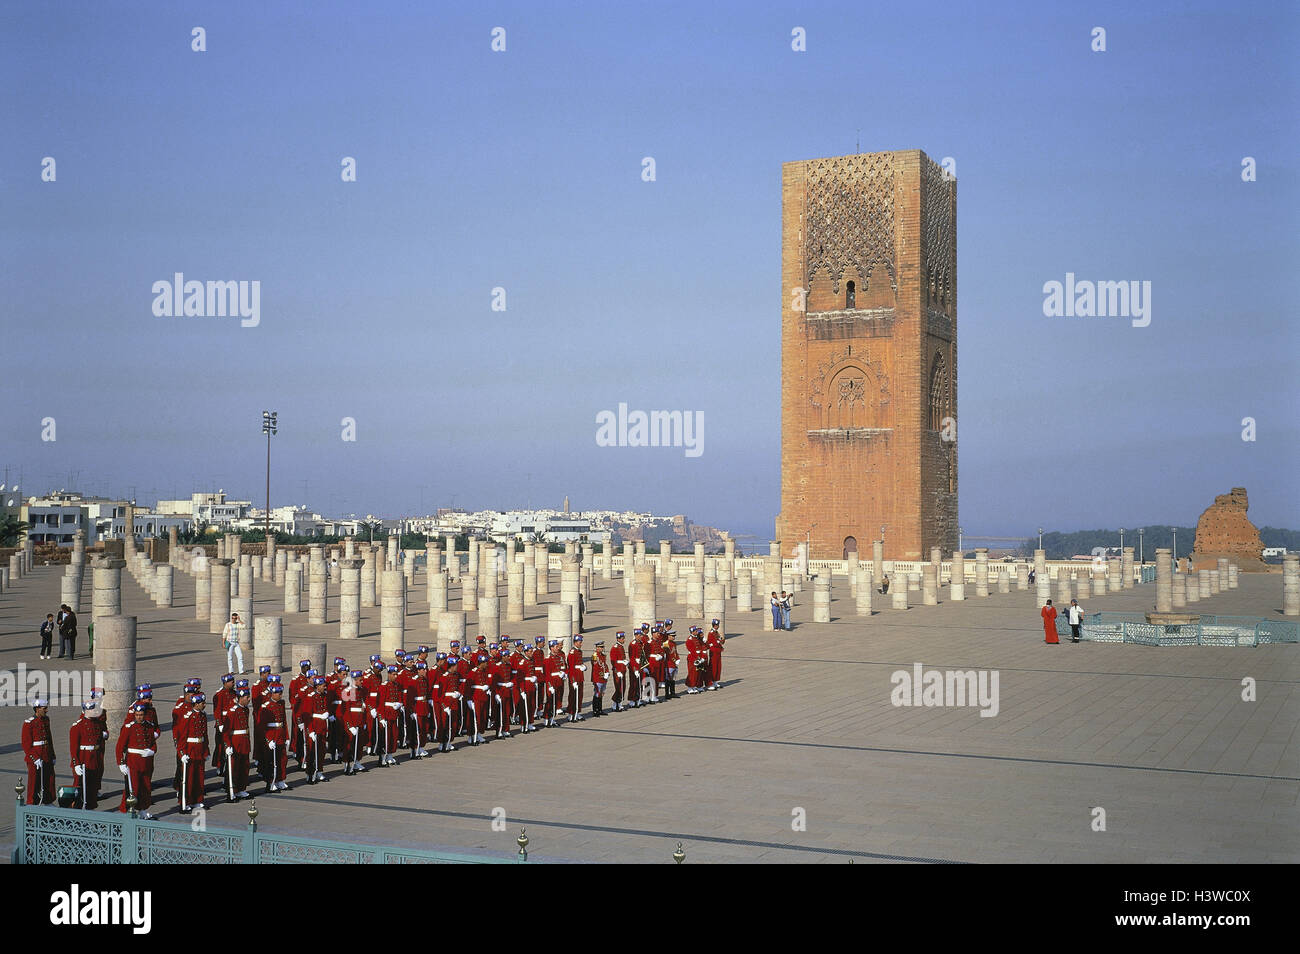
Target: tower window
<point>850,295</point>
<point>938,392</point>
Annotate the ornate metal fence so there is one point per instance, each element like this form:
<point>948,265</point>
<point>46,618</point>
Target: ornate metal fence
<point>46,834</point>
<point>1209,631</point>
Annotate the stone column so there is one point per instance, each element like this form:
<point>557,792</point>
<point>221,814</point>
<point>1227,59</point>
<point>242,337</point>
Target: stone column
<point>981,571</point>
<point>1004,580</point>
<point>433,556</point>
<point>489,615</point>
<point>316,652</point>
<point>451,626</point>
<point>542,563</point>
<point>559,624</point>
<point>115,660</point>
<point>1214,582</point>
<point>1193,587</point>
<point>16,567</point>
<point>368,576</point>
<point>1022,576</point>
<point>744,591</point>
<point>246,576</point>
<point>1063,595</point>
<point>865,584</point>
<point>694,594</point>
<point>665,557</point>
<point>1043,584</point>
<point>606,561</point>
<point>1164,581</point>
<point>392,619</point>
<point>930,583</point>
<point>571,585</point>
<point>293,587</point>
<point>877,559</point>
<point>1177,590</point>
<point>515,593</point>
<point>317,592</point>
<point>530,580</point>
<point>270,558</point>
<point>219,593</point>
<point>390,561</point>
<point>69,590</point>
<point>1221,564</point>
<point>202,588</point>
<point>438,583</point>
<point>898,591</point>
<point>408,569</point>
<point>1040,564</point>
<point>643,604</point>
<point>1099,578</point>
<point>822,599</point>
<point>350,597</point>
<point>715,604</point>
<point>628,563</point>
<point>1232,576</point>
<point>469,590</point>
<point>1203,584</point>
<point>1290,584</point>
<point>1126,567</point>
<point>957,583</point>
<point>1115,574</point>
<point>268,643</point>
<point>164,586</point>
<point>453,561</point>
<point>79,545</point>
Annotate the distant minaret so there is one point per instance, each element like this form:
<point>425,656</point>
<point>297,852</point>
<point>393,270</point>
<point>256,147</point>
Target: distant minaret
<point>566,504</point>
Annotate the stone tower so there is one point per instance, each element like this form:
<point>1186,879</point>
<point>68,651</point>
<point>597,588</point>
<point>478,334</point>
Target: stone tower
<point>868,355</point>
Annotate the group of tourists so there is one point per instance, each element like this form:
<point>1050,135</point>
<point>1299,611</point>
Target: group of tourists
<point>422,702</point>
<point>65,625</point>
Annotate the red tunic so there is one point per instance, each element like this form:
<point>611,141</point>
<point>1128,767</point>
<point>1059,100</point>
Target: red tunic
<point>1049,624</point>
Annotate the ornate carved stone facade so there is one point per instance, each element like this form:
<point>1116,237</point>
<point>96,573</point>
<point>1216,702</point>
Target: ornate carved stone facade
<point>869,365</point>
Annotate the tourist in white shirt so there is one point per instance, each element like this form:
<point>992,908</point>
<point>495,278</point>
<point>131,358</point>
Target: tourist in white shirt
<point>230,640</point>
<point>1075,618</point>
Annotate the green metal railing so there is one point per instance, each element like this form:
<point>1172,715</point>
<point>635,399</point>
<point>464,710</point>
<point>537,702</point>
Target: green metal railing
<point>47,834</point>
<point>1209,631</point>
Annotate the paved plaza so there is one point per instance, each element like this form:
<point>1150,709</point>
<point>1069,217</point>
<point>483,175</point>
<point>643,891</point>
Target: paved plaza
<point>1158,737</point>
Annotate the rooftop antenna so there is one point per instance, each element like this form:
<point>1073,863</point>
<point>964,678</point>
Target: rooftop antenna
<point>857,148</point>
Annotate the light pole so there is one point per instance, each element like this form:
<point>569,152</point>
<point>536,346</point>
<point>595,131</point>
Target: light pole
<point>1040,538</point>
<point>1121,543</point>
<point>1141,559</point>
<point>1175,530</point>
<point>269,427</point>
<point>960,531</point>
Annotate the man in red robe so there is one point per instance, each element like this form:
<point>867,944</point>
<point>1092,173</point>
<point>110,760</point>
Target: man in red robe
<point>1049,624</point>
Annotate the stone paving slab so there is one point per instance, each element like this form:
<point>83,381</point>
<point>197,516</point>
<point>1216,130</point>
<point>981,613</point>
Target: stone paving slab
<point>1157,736</point>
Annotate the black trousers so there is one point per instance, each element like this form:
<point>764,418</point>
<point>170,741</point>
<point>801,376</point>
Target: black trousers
<point>1074,630</point>
<point>47,641</point>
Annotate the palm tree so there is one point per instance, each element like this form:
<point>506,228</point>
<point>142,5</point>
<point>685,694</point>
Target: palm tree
<point>11,530</point>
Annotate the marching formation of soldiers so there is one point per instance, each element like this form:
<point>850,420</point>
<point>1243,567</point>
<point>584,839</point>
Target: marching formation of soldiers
<point>350,715</point>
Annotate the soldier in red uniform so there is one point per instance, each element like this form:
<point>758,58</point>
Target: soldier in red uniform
<point>273,738</point>
<point>352,717</point>
<point>144,693</point>
<point>635,653</point>
<point>314,706</point>
<point>222,700</point>
<point>407,680</point>
<point>370,683</point>
<point>714,643</point>
<point>386,707</point>
<point>449,699</point>
<point>503,691</point>
<point>296,687</point>
<point>556,673</point>
<point>695,654</point>
<point>577,669</point>
<point>86,754</point>
<point>179,711</point>
<point>193,748</point>
<point>654,644</point>
<point>599,676</point>
<point>477,688</point>
<point>671,660</point>
<point>136,746</point>
<point>38,753</point>
<point>618,669</point>
<point>236,723</point>
<point>417,709</point>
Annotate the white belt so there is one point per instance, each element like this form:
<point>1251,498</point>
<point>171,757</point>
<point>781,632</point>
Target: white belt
<point>144,752</point>
<point>274,725</point>
<point>87,748</point>
<point>199,739</point>
<point>621,663</point>
<point>240,732</point>
<point>480,688</point>
<point>420,698</point>
<point>506,685</point>
<point>539,669</point>
<point>42,742</point>
<point>655,656</point>
<point>356,708</point>
<point>320,715</point>
<point>392,705</point>
<point>530,678</point>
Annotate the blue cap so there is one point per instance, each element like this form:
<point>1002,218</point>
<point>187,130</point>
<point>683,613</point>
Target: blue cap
<point>392,668</point>
<point>264,669</point>
<point>357,674</point>
<point>304,663</point>
<point>195,699</point>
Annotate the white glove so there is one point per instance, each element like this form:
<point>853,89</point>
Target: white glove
<point>312,736</point>
<point>374,714</point>
<point>353,730</point>
<point>230,751</point>
<point>271,745</point>
<point>80,769</point>
<point>148,752</point>
<point>185,759</point>
<point>399,706</point>
<point>582,668</point>
<point>125,770</point>
<point>331,718</point>
<point>498,697</point>
<point>38,762</point>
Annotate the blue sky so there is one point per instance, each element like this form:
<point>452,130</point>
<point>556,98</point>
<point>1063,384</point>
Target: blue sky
<point>522,169</point>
